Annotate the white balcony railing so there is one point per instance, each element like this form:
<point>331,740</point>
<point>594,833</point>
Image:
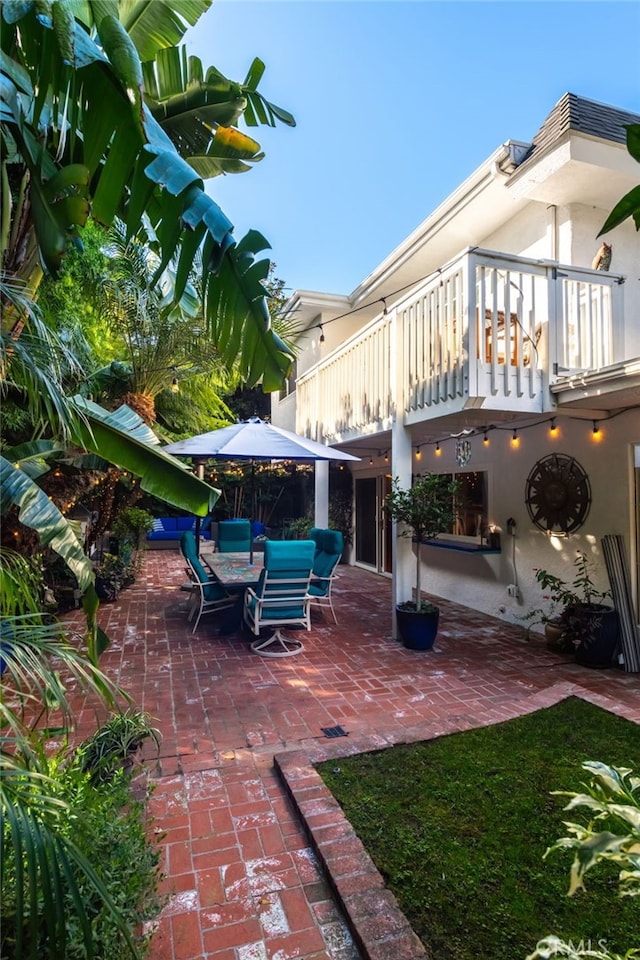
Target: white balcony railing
<point>489,327</point>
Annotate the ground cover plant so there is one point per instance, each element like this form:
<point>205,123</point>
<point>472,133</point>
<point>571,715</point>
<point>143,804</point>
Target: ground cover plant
<point>458,827</point>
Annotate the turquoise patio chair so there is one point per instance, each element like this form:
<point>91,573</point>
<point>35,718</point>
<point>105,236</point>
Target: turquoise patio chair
<point>281,597</point>
<point>234,536</point>
<point>207,594</point>
<point>329,547</point>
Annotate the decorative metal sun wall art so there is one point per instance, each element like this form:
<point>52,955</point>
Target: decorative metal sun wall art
<point>463,452</point>
<point>558,494</point>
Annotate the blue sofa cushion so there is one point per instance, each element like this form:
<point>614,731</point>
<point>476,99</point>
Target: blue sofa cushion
<point>171,528</point>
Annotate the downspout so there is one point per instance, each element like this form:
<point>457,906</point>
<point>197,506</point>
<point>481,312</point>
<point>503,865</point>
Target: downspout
<point>553,223</point>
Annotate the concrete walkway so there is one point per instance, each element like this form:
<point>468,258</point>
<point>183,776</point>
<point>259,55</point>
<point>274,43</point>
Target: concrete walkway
<point>243,877</point>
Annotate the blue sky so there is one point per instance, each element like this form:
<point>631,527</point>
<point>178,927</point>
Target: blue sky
<point>396,103</point>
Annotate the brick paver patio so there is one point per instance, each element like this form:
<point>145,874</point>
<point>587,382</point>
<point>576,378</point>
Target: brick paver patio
<point>259,862</point>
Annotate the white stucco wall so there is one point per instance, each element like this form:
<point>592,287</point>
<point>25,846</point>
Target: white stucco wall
<point>480,580</point>
<point>527,234</point>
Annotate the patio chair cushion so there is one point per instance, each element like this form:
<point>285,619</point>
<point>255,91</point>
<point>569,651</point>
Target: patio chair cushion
<point>188,544</point>
<point>283,560</point>
<point>234,535</point>
<point>281,612</point>
<point>327,557</point>
<point>212,590</point>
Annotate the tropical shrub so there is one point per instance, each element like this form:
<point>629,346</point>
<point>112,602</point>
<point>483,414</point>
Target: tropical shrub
<point>113,745</point>
<point>133,524</point>
<point>611,836</point>
<point>107,827</point>
<point>59,900</point>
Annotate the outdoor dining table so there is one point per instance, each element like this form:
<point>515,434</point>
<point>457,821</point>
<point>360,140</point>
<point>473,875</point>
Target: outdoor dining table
<point>234,570</point>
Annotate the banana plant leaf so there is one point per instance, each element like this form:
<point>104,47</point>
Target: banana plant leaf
<point>225,299</point>
<point>121,146</point>
<point>33,457</point>
<point>124,439</point>
<point>36,511</point>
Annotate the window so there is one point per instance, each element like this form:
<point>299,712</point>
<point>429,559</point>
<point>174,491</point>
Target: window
<point>472,504</point>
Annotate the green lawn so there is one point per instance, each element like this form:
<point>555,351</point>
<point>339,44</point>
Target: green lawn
<point>458,827</point>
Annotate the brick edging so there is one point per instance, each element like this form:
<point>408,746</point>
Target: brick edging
<point>379,927</point>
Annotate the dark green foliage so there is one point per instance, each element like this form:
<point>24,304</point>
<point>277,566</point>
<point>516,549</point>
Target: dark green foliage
<point>133,523</point>
<point>458,826</point>
<point>107,826</point>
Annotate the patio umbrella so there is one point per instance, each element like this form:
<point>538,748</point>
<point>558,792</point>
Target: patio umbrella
<point>254,439</point>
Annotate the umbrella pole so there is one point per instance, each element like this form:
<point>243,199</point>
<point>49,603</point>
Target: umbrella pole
<point>200,464</point>
<point>252,511</point>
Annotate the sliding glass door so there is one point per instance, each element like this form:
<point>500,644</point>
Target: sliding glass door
<point>373,528</point>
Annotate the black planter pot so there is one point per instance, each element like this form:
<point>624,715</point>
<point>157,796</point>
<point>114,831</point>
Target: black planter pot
<point>597,628</point>
<point>417,629</point>
<point>106,589</point>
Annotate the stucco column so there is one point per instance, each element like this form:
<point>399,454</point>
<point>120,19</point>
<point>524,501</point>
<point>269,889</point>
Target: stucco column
<point>402,558</point>
<point>321,516</point>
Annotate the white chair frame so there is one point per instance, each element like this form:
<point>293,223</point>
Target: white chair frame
<point>326,598</point>
<point>279,591</point>
<point>199,602</point>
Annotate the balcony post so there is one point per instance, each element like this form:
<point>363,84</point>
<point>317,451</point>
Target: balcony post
<point>402,561</point>
<point>470,335</point>
<point>321,500</point>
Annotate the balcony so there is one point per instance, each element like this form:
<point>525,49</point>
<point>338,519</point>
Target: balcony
<point>487,330</point>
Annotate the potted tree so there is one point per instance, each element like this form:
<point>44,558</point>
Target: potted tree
<point>587,624</point>
<point>426,509</point>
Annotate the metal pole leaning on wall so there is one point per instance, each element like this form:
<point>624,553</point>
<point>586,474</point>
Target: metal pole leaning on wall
<point>618,570</point>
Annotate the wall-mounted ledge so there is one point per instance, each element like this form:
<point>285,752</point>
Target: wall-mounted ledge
<point>462,547</point>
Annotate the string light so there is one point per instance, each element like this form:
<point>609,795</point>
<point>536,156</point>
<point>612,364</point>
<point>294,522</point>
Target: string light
<point>321,333</point>
<point>554,431</point>
<point>175,386</point>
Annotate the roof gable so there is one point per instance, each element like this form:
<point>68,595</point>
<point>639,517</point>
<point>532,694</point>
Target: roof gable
<point>572,112</point>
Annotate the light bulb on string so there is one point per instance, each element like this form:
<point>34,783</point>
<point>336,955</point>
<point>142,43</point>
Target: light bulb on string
<point>596,433</point>
<point>438,451</point>
<point>418,454</point>
<point>553,429</point>
<point>485,439</point>
<point>515,440</point>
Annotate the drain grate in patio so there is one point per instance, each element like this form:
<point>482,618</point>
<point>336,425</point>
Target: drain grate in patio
<point>336,731</point>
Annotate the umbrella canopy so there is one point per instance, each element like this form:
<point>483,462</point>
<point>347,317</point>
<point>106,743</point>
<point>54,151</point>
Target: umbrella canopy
<point>254,439</point>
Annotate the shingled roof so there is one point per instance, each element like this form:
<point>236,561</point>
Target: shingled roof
<point>586,116</point>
